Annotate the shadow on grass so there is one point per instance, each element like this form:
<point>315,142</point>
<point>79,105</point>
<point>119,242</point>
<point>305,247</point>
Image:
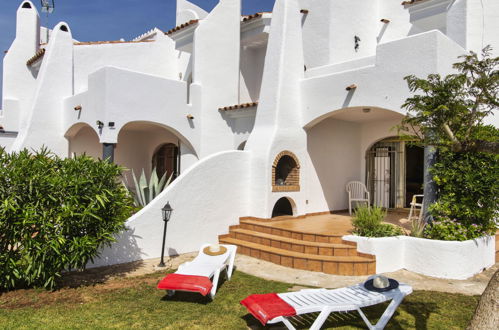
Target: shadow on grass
<point>92,276</point>
<point>195,297</point>
<point>419,310</point>
<point>190,297</point>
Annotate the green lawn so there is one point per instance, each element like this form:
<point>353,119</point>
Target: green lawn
<point>136,303</point>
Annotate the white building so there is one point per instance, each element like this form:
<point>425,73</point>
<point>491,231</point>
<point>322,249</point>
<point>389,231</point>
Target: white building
<point>247,110</point>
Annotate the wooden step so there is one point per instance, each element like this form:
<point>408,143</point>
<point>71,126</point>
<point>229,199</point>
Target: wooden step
<point>340,265</point>
<point>268,228</point>
<point>291,244</point>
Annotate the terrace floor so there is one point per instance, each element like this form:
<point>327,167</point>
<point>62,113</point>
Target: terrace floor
<point>332,224</point>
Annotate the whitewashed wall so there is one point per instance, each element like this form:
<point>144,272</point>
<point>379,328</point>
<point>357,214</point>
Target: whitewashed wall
<point>333,146</point>
<point>197,216</point>
<point>41,123</point>
<point>252,63</point>
<point>158,58</point>
<point>18,80</point>
<point>216,72</point>
<point>442,259</point>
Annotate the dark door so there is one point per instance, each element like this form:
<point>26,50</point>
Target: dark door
<point>414,167</point>
<point>165,160</point>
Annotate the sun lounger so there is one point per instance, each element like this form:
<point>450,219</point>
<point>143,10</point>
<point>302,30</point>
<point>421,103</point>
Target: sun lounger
<point>201,274</point>
<point>273,308</point>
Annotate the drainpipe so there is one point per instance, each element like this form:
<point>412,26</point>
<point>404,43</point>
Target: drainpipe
<point>108,151</point>
<point>430,187</point>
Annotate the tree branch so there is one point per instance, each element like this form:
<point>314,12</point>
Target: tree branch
<point>479,146</point>
<point>457,146</point>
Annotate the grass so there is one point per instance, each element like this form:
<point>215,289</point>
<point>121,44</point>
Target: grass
<point>136,303</point>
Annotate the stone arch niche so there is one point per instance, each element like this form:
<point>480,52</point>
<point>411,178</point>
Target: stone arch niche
<point>283,207</point>
<point>286,172</point>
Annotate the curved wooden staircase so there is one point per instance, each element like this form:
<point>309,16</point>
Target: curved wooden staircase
<point>297,249</point>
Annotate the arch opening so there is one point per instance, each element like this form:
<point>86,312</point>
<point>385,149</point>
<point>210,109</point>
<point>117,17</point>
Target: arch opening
<point>82,139</point>
<point>286,172</point>
<point>64,28</point>
<point>337,144</point>
<point>144,145</point>
<point>282,207</point>
<point>26,5</point>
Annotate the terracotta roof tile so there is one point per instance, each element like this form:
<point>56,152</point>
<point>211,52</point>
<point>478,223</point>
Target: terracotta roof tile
<point>182,26</point>
<point>39,54</point>
<point>253,16</point>
<point>239,106</point>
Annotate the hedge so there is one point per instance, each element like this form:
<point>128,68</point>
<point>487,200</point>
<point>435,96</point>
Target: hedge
<point>56,214</point>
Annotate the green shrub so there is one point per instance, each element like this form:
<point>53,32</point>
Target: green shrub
<point>55,214</point>
<point>468,184</point>
<point>451,230</point>
<point>368,222</point>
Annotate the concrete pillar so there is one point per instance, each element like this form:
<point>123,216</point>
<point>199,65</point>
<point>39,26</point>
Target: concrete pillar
<point>108,151</point>
<point>430,187</point>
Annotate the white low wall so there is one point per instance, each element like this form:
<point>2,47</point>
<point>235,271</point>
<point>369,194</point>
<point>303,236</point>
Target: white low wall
<point>442,259</point>
<point>206,199</point>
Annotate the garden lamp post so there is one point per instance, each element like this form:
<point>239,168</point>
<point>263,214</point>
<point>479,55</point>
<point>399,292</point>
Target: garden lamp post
<point>166,212</point>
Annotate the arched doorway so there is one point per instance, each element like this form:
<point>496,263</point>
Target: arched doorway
<point>282,207</point>
<point>82,139</point>
<point>165,160</point>
<point>143,145</point>
<point>394,172</point>
<point>337,143</point>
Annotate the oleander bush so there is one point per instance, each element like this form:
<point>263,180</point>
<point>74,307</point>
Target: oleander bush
<point>55,215</point>
<point>368,221</point>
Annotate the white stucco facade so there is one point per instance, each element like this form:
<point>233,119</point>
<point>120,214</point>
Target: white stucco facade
<point>442,259</point>
<point>219,82</point>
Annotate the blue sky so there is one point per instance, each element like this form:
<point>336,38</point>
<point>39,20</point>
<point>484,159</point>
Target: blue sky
<point>98,20</point>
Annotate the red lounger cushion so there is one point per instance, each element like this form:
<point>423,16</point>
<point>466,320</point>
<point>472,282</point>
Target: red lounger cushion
<point>266,307</point>
<point>201,284</point>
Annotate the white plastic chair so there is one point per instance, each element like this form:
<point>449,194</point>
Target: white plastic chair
<point>347,299</point>
<point>209,266</point>
<point>416,206</point>
<point>357,192</point>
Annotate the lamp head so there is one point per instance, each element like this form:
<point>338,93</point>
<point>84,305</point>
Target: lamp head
<point>166,212</point>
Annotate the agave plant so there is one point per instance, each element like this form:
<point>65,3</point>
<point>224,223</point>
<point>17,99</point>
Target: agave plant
<point>145,191</point>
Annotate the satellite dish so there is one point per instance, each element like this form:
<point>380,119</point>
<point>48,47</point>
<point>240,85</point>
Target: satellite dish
<point>48,6</point>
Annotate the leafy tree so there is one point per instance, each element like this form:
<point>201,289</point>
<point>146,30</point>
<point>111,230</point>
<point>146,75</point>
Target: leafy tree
<point>449,111</point>
<point>55,215</point>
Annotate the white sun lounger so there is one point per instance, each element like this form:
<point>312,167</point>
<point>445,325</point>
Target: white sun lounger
<point>352,298</point>
<point>209,266</point>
